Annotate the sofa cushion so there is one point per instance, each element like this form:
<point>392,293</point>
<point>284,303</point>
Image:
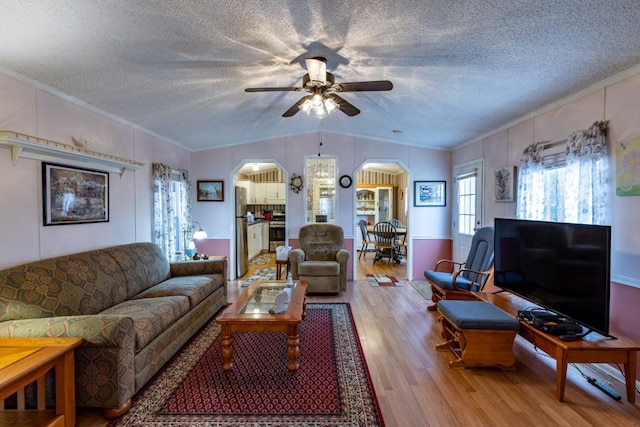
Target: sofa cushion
<point>477,315</point>
<point>151,316</point>
<point>319,268</point>
<point>444,280</point>
<point>143,264</point>
<point>196,288</point>
<point>84,283</point>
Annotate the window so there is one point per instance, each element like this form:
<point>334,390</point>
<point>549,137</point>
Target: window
<point>467,203</point>
<point>320,176</point>
<point>566,182</point>
<point>171,208</point>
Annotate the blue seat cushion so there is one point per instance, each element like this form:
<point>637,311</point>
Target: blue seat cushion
<point>477,315</point>
<point>445,280</point>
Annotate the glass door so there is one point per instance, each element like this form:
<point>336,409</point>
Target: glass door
<point>467,207</point>
<point>385,204</point>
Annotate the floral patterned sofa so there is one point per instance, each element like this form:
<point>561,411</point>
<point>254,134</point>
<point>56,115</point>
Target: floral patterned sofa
<point>132,307</point>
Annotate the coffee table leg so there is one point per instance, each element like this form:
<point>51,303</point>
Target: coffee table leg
<point>226,349</point>
<point>294,346</point>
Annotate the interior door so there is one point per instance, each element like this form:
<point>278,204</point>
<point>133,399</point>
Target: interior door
<point>467,206</point>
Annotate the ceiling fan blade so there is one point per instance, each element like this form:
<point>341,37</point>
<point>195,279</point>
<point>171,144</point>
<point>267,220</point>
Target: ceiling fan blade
<point>372,86</point>
<point>273,89</point>
<point>345,106</point>
<point>296,107</point>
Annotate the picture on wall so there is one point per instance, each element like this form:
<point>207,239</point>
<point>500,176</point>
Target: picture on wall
<point>210,191</point>
<point>504,188</point>
<point>74,195</point>
<point>628,167</point>
<point>429,193</point>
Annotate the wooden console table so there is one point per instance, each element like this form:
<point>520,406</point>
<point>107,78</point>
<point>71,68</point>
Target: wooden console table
<point>594,348</point>
<point>25,360</point>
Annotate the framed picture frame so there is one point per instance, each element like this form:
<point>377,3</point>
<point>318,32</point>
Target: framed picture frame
<point>210,191</point>
<point>430,193</point>
<point>74,195</point>
<point>504,186</point>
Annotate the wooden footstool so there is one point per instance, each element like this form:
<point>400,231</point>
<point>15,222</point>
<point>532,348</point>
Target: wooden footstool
<point>478,333</point>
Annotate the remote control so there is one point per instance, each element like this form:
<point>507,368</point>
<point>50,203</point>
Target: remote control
<point>612,394</point>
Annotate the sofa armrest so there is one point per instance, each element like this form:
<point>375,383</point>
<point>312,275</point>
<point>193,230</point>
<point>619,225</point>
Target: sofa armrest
<point>199,268</point>
<point>97,330</point>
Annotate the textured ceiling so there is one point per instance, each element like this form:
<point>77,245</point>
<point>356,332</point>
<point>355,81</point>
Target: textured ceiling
<point>178,68</point>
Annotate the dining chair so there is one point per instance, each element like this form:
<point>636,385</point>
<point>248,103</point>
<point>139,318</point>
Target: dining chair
<point>366,238</point>
<point>396,222</point>
<point>386,242</point>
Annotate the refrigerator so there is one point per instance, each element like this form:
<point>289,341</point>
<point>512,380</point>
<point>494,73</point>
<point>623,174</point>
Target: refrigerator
<point>242,251</point>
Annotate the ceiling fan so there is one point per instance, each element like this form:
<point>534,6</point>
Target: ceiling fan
<point>323,99</point>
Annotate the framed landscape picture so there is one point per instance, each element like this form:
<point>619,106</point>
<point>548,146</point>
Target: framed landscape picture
<point>430,193</point>
<point>210,191</point>
<point>73,195</point>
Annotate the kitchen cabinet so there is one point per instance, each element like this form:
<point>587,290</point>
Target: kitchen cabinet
<point>254,240</point>
<point>268,192</point>
<point>265,236</point>
<point>276,192</point>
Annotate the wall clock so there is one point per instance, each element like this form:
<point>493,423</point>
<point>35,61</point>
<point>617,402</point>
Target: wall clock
<point>296,183</point>
<point>345,181</point>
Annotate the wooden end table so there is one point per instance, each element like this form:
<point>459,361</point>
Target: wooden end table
<point>279,264</point>
<point>25,360</point>
<point>251,313</point>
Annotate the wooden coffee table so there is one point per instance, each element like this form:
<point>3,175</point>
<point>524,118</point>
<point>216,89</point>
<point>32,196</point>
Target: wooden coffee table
<point>25,360</point>
<point>254,312</point>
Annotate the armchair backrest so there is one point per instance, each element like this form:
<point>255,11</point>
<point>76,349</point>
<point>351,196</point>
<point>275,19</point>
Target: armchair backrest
<point>480,256</point>
<point>321,242</point>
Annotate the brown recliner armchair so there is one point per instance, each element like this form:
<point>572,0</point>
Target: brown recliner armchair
<point>320,259</point>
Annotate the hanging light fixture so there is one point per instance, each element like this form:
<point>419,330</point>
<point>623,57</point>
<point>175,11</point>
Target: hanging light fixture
<point>319,105</point>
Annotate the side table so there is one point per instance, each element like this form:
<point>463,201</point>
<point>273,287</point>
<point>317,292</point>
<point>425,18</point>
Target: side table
<point>25,360</point>
<point>279,264</point>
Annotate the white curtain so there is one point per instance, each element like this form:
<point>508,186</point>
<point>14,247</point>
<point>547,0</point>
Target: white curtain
<point>171,208</point>
<point>568,187</point>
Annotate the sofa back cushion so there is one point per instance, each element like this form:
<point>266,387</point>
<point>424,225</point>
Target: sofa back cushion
<point>144,265</point>
<point>83,283</point>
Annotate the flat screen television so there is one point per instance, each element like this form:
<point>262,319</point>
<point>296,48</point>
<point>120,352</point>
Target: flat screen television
<point>562,267</point>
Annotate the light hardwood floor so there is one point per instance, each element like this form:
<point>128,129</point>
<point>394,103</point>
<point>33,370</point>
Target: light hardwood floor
<point>415,386</point>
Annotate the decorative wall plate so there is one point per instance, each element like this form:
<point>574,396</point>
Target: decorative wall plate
<point>296,183</point>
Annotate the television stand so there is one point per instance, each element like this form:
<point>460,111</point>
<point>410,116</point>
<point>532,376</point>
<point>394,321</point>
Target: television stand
<point>592,349</point>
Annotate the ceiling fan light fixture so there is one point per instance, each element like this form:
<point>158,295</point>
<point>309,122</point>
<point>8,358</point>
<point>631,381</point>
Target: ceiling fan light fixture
<point>319,105</point>
<point>317,68</point>
<point>330,105</point>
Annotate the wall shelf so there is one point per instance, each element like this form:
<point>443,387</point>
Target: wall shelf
<point>32,147</point>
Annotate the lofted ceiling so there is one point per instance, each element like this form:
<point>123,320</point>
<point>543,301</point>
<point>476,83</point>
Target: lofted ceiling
<point>179,68</point>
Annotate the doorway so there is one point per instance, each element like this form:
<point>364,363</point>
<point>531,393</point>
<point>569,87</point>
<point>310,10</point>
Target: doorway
<point>381,195</point>
<point>467,206</point>
<point>260,200</point>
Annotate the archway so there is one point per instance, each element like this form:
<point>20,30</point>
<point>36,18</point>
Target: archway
<point>382,188</point>
<point>260,200</point>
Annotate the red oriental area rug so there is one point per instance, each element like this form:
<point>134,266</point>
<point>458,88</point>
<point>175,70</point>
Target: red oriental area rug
<point>332,386</point>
